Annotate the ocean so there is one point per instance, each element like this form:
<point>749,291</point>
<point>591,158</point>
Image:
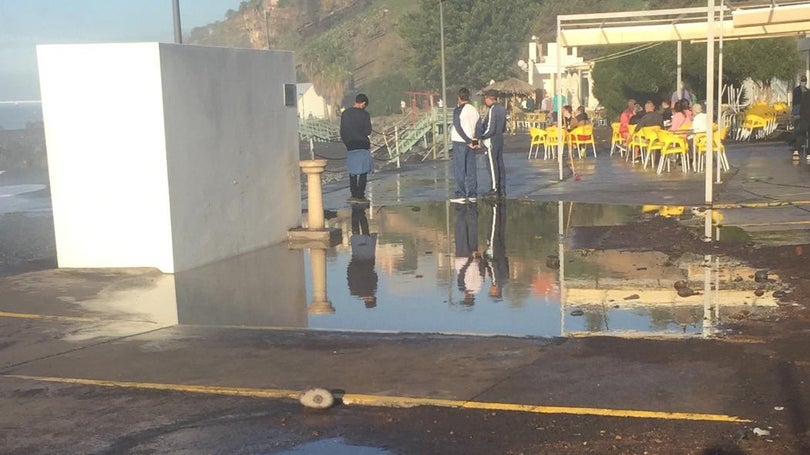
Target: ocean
<point>16,116</point>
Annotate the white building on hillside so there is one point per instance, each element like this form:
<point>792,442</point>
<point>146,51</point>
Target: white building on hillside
<point>577,85</point>
<point>310,104</point>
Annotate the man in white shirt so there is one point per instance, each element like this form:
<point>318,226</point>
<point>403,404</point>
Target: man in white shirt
<point>465,117</point>
<point>699,119</point>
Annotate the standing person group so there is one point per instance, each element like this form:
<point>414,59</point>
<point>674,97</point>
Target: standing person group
<point>469,134</point>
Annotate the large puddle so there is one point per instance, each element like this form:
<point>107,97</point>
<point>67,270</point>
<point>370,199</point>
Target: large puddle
<point>516,268</point>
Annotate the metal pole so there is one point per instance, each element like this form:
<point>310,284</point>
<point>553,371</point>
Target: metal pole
<point>719,88</point>
<point>561,256</point>
<point>558,92</point>
<point>679,73</point>
<point>444,83</point>
<point>709,112</point>
<point>266,29</point>
<point>178,33</point>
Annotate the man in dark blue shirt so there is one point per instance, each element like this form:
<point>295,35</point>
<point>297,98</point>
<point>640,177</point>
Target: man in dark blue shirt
<point>494,125</point>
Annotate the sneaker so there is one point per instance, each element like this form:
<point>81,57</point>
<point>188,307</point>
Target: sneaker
<point>458,200</point>
<point>795,155</point>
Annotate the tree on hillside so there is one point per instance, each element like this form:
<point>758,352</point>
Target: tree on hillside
<point>482,40</point>
<point>651,74</point>
<point>328,63</point>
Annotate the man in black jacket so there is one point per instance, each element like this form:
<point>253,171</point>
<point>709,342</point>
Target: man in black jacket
<point>355,128</point>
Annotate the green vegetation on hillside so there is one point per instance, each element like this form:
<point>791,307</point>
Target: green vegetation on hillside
<point>386,47</point>
<point>482,40</point>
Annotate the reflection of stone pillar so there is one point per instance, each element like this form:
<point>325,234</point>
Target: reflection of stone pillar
<point>320,303</point>
<point>313,169</point>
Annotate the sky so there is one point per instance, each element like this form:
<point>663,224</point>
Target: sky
<point>26,23</point>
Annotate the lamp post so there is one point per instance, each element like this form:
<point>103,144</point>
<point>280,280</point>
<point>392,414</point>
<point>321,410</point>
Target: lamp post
<point>444,82</point>
<point>178,34</point>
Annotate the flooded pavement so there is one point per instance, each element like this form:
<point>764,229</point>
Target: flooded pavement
<point>131,361</point>
<point>517,268</point>
<point>333,447</point>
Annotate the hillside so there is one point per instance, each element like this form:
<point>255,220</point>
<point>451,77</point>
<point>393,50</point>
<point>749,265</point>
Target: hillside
<point>347,45</point>
<point>366,28</point>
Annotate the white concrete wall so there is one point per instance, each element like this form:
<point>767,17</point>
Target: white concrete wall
<point>166,155</point>
<point>103,112</point>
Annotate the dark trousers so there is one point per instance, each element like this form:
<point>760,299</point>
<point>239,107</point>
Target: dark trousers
<point>464,170</point>
<point>357,184</point>
<point>496,167</point>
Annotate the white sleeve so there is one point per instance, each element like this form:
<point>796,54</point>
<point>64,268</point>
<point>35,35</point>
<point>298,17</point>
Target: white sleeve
<point>468,119</point>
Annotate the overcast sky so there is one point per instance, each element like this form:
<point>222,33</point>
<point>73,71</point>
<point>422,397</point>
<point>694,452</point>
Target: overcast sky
<point>26,23</point>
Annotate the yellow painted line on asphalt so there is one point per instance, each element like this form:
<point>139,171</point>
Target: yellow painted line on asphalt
<point>779,223</point>
<point>211,390</point>
<point>753,205</point>
<point>5,314</point>
<point>394,401</point>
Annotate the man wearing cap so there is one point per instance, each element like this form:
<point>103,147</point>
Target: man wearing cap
<point>494,125</point>
<point>465,117</point>
<point>355,128</point>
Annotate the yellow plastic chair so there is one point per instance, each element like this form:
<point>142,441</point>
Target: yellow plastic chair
<point>641,140</point>
<point>673,144</point>
<point>582,136</point>
<point>719,148</point>
<point>551,142</point>
<point>538,136</point>
<point>616,139</point>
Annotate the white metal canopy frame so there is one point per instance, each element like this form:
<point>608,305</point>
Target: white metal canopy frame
<point>751,20</point>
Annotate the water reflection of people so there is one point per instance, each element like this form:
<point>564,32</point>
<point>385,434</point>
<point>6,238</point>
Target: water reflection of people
<point>360,272</point>
<point>498,263</point>
<point>468,263</point>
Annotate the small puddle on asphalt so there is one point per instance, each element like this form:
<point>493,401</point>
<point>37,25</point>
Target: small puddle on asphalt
<point>514,268</point>
<point>333,447</point>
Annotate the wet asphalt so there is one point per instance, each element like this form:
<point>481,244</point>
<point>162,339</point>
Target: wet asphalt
<point>91,362</point>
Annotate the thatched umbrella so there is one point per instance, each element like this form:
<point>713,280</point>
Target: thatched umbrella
<point>510,87</point>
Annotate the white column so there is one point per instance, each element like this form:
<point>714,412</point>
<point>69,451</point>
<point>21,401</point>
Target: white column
<point>709,112</point>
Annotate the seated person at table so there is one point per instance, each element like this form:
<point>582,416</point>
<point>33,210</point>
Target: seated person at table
<point>651,116</point>
<point>624,118</point>
<point>638,113</point>
<point>581,118</point>
<point>681,117</point>
<point>666,112</point>
<point>569,120</point>
<point>699,124</point>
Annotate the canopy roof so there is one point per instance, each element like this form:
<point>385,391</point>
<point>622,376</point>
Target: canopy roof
<point>758,20</point>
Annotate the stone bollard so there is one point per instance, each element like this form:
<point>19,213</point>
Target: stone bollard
<point>313,169</point>
<point>315,234</point>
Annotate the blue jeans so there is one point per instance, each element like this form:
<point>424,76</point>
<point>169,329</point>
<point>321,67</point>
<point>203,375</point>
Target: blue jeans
<point>464,170</point>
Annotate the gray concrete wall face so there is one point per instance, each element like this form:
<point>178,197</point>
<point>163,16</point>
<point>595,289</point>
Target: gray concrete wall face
<point>232,150</point>
<point>168,156</point>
